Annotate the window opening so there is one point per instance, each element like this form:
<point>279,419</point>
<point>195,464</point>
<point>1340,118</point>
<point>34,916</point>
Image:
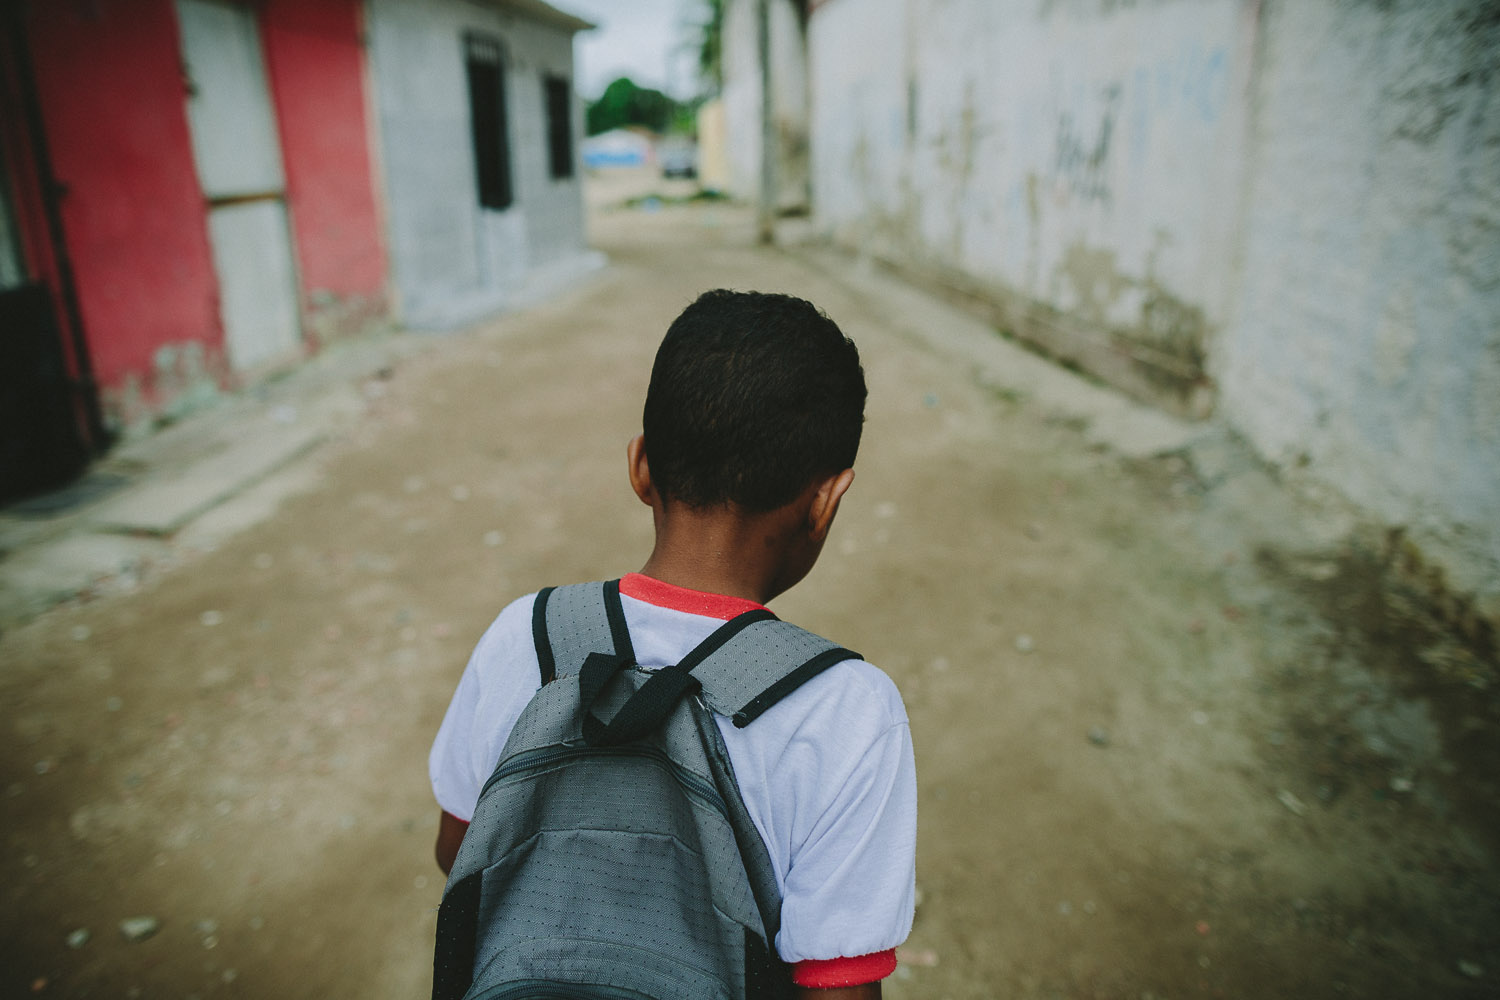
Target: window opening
<point>485,65</point>
<point>559,95</point>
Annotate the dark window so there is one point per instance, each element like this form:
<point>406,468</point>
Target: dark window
<point>559,124</point>
<point>485,63</point>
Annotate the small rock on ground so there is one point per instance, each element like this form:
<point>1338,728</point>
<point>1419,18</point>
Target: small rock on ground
<point>139,928</point>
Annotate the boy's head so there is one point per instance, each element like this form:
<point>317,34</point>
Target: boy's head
<point>753,396</point>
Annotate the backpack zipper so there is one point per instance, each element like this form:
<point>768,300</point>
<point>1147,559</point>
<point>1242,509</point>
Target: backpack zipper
<point>545,756</point>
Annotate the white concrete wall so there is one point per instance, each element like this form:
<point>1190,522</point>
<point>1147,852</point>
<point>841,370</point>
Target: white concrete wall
<point>1084,155</point>
<point>452,260</point>
<point>1366,336</point>
<point>1287,207</point>
<point>858,69</point>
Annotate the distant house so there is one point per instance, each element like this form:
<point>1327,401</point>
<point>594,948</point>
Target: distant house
<point>195,192</point>
<point>479,131</point>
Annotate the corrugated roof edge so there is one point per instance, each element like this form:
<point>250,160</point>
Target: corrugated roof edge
<point>547,13</point>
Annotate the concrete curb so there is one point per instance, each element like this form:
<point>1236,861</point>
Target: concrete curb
<point>161,506</point>
<point>251,444</point>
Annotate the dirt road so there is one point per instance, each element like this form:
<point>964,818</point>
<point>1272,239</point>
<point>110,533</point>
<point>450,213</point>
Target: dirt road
<point>1180,730</point>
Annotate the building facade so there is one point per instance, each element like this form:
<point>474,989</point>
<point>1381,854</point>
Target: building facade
<point>194,193</point>
<point>479,136</point>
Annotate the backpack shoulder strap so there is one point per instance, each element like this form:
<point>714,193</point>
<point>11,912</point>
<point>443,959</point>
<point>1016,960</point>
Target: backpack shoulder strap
<point>569,623</point>
<point>762,663</point>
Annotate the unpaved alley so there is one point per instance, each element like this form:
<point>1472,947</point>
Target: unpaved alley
<point>1182,730</point>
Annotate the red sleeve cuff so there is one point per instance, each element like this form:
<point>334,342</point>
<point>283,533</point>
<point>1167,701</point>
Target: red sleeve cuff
<point>836,972</point>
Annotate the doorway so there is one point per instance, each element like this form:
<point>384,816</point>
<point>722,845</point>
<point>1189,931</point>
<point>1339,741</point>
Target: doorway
<point>238,156</point>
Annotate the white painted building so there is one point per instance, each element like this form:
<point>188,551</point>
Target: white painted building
<point>479,134</point>
<point>1284,211</point>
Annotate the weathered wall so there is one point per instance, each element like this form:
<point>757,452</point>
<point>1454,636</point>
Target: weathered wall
<point>1365,340</point>
<point>1081,156</point>
<point>452,260</point>
<point>1287,209</point>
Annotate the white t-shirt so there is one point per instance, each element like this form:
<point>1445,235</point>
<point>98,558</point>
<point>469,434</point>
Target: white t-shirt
<point>827,774</point>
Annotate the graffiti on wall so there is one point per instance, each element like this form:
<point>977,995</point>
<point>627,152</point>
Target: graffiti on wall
<point>1183,89</point>
<point>1083,153</point>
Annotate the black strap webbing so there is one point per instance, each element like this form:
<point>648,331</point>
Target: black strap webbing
<point>649,706</point>
<point>645,710</point>
<point>617,628</point>
<point>595,675</point>
<point>761,667</point>
<point>457,934</point>
<point>790,682</point>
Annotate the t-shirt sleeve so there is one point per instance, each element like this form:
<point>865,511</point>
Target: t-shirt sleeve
<point>850,889</point>
<point>454,783</point>
<point>500,678</point>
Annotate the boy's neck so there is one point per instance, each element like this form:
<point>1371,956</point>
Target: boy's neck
<point>723,550</point>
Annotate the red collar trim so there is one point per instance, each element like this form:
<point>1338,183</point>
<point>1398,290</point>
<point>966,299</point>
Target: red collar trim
<point>697,602</point>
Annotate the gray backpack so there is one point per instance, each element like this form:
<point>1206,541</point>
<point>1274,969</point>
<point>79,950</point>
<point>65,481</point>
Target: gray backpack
<point>610,854</point>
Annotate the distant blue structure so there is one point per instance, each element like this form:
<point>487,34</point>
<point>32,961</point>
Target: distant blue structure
<point>621,147</point>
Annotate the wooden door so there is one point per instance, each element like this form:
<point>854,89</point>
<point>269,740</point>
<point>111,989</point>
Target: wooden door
<point>238,156</point>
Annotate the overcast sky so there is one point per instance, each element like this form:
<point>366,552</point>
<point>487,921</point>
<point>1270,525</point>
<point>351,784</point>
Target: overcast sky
<point>641,39</point>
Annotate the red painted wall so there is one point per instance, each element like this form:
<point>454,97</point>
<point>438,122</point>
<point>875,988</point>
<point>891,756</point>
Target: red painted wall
<point>109,78</point>
<point>316,68</point>
<point>110,84</point>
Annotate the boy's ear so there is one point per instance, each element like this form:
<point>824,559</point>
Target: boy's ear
<point>640,471</point>
<point>825,503</point>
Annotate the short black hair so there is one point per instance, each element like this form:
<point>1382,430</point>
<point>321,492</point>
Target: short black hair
<point>752,397</point>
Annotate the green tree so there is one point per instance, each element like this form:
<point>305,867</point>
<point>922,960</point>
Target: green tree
<point>624,103</point>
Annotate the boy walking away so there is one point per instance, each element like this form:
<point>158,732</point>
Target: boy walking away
<point>653,787</point>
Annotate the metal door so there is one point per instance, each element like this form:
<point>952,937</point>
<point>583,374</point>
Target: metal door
<point>238,156</point>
